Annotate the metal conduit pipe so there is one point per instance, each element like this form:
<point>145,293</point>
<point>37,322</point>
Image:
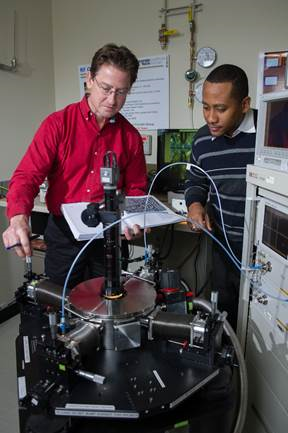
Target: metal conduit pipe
<point>239,425</point>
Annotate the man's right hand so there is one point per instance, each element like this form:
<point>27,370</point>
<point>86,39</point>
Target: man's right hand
<point>18,232</point>
<point>198,217</point>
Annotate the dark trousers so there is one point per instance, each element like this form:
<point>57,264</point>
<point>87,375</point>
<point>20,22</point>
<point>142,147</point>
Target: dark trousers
<point>62,248</point>
<point>226,280</point>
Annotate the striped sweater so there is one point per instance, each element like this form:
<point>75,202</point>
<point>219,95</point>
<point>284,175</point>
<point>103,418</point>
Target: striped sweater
<point>225,160</point>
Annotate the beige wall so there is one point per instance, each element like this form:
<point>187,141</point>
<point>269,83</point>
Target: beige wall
<point>26,96</point>
<point>238,30</point>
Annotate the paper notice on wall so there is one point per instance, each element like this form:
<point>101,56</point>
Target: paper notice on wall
<point>82,73</point>
<point>147,105</point>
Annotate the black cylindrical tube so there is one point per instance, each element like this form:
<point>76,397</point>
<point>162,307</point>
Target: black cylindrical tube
<point>112,247</point>
<point>170,325</point>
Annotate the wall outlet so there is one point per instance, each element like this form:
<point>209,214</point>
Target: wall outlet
<point>147,144</point>
<point>179,205</point>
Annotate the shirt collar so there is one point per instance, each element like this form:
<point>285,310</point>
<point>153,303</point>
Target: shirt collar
<point>84,107</point>
<point>247,125</point>
<point>87,113</point>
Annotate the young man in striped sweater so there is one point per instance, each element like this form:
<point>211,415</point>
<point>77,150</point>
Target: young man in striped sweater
<point>223,148</point>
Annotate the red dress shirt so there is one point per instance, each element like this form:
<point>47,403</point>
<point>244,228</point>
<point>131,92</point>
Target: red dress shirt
<point>68,149</point>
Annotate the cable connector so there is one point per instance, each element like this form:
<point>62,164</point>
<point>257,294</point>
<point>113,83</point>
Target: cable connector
<point>252,268</point>
<point>62,325</point>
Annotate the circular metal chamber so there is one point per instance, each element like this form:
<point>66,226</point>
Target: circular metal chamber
<point>87,299</point>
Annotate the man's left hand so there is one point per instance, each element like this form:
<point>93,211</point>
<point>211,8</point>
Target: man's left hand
<point>134,232</point>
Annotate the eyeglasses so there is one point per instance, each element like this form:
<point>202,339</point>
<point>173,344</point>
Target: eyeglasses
<point>108,90</point>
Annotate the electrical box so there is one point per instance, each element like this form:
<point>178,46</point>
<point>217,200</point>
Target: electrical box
<point>263,308</point>
<point>147,144</point>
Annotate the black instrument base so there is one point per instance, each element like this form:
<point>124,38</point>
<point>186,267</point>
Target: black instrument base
<point>148,389</point>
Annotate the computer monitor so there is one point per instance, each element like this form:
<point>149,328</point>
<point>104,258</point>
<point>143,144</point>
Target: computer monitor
<point>173,145</point>
<point>272,230</point>
<point>272,125</point>
<point>276,133</point>
<point>272,133</point>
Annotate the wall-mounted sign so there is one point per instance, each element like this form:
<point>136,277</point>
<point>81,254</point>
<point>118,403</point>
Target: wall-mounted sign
<point>147,105</point>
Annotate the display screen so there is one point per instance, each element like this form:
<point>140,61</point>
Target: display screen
<point>276,131</point>
<point>275,231</point>
<point>173,145</point>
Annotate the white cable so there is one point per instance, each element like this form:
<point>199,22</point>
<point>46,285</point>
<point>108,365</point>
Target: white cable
<point>97,235</point>
<point>216,240</point>
<point>220,206</point>
<point>232,256</point>
<point>188,166</point>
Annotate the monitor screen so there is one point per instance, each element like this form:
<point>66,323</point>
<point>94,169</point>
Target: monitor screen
<point>173,145</point>
<point>275,229</point>
<point>276,128</point>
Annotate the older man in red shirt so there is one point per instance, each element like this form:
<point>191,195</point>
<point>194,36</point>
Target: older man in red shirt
<point>68,149</point>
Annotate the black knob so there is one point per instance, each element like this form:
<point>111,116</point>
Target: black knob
<point>90,216</point>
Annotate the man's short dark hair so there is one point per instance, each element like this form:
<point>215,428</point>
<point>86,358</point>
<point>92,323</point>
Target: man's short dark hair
<point>232,74</point>
<point>119,56</point>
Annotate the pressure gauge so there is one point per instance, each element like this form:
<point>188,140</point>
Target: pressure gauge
<point>191,75</point>
<point>206,57</point>
<point>198,89</point>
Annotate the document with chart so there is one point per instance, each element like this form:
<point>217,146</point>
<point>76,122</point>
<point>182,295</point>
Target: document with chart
<point>149,212</point>
<point>138,210</point>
